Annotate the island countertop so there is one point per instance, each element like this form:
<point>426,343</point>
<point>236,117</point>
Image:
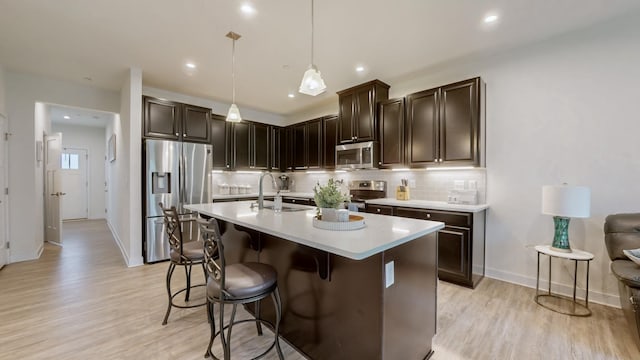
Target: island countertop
<point>380,233</point>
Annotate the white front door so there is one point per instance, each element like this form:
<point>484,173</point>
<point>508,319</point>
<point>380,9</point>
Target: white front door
<point>75,184</point>
<point>52,188</point>
<point>4,231</point>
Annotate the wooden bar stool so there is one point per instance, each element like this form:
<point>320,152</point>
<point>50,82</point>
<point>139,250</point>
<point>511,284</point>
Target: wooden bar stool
<point>234,284</point>
<point>182,253</point>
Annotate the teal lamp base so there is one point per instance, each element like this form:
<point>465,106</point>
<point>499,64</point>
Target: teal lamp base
<point>561,236</point>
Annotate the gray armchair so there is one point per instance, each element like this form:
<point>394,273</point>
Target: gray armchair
<point>622,232</point>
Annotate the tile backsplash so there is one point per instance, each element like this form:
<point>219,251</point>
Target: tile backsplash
<point>429,185</point>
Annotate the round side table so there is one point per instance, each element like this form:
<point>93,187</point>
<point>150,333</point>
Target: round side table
<point>553,301</point>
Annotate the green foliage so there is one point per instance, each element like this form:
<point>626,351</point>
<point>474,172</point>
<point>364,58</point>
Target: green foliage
<point>329,196</point>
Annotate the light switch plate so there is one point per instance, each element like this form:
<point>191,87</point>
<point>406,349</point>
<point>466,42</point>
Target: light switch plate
<point>388,272</point>
<point>412,183</point>
<point>458,184</point>
<point>473,185</point>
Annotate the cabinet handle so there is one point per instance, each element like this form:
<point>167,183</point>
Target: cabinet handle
<point>428,216</point>
<point>379,162</point>
<point>184,135</point>
<point>378,210</point>
<point>177,134</point>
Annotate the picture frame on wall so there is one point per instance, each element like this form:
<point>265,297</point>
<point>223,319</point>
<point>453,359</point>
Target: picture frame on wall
<point>112,148</point>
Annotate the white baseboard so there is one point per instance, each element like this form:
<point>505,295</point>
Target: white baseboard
<point>567,290</point>
<point>138,261</point>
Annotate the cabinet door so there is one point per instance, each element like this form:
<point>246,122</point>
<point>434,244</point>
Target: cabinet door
<point>219,131</point>
<point>453,254</point>
<point>330,129</point>
<point>345,118</point>
<point>195,124</point>
<point>276,148</point>
<point>259,146</point>
<point>314,144</point>
<point>422,128</point>
<point>241,148</point>
<point>391,117</point>
<point>161,119</point>
<point>460,122</point>
<point>364,120</point>
<point>299,146</point>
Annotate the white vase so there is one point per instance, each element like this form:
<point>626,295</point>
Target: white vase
<point>329,214</point>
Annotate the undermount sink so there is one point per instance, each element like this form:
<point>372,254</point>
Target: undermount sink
<point>286,208</point>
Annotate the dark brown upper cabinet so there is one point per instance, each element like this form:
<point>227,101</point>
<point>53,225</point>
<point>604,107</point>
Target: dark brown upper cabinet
<point>330,129</point>
<point>443,125</point>
<point>392,144</point>
<point>277,148</point>
<point>250,147</point>
<point>170,120</point>
<point>220,132</point>
<point>307,145</point>
<point>357,118</point>
<point>259,141</point>
<point>161,119</point>
<point>195,124</point>
<point>240,133</point>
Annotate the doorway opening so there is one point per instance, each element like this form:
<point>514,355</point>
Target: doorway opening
<point>75,183</point>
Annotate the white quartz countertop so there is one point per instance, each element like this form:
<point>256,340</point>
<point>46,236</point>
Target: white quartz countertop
<point>380,233</point>
<point>255,194</point>
<point>427,204</point>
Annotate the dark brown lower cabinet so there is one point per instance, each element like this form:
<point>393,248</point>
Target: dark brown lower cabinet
<point>460,244</point>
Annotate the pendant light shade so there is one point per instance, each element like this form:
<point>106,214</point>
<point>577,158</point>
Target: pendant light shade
<point>312,83</point>
<point>234,113</point>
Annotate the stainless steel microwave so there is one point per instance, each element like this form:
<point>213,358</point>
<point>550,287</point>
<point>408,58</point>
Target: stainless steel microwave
<point>357,156</point>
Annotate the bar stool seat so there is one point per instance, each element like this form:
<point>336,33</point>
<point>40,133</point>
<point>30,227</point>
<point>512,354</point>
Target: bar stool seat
<point>190,250</point>
<point>245,280</point>
<point>240,283</point>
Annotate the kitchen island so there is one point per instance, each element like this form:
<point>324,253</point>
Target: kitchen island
<point>360,294</point>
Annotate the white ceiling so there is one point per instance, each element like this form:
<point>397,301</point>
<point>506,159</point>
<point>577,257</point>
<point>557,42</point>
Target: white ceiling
<point>78,116</point>
<point>100,39</point>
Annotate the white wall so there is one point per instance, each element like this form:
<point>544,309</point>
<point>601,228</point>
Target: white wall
<point>25,176</point>
<point>124,214</point>
<point>91,138</point>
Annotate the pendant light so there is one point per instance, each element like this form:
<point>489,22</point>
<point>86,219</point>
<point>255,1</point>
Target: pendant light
<point>234,113</point>
<point>312,83</point>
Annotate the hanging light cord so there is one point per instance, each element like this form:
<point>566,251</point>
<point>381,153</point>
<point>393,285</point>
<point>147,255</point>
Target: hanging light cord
<point>233,71</point>
<point>312,32</point>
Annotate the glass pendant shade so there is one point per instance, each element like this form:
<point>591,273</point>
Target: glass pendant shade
<point>312,83</point>
<point>234,114</point>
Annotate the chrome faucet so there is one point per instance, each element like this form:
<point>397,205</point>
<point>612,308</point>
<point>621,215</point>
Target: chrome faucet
<point>260,193</point>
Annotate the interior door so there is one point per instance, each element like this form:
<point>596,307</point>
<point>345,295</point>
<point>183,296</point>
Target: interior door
<point>75,183</point>
<point>52,187</point>
<point>3,197</point>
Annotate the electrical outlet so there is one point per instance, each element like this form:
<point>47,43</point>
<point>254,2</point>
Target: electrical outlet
<point>458,184</point>
<point>388,272</point>
<point>473,185</point>
<point>412,183</point>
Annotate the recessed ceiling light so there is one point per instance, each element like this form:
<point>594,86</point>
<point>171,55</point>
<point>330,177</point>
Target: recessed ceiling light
<point>247,9</point>
<point>490,18</point>
<point>67,117</point>
<point>291,95</point>
<point>359,68</point>
<point>190,65</point>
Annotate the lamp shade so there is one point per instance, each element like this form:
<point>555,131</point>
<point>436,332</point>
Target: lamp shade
<point>566,201</point>
<point>312,83</point>
<point>234,114</point>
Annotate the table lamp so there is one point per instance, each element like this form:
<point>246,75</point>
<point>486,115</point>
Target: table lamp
<point>565,202</point>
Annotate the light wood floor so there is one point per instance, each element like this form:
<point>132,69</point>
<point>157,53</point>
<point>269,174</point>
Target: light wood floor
<point>80,302</point>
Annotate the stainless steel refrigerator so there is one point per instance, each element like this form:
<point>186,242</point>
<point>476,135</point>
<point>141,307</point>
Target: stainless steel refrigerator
<point>175,174</point>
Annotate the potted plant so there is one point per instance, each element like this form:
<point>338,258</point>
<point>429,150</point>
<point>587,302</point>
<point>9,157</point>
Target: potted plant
<point>328,199</point>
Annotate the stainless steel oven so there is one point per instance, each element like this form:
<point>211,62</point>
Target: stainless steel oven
<point>357,156</point>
